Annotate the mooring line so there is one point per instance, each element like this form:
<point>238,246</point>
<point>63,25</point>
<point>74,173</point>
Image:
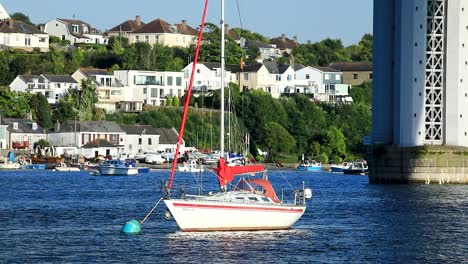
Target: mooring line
<point>150,212</point>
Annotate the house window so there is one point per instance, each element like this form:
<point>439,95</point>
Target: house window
<point>154,92</point>
<point>337,77</point>
<point>370,76</point>
<point>63,37</point>
<point>289,77</point>
<point>198,70</point>
<point>169,80</point>
<point>27,41</point>
<point>178,81</point>
<point>75,28</point>
<point>145,90</point>
<point>278,78</point>
<point>140,141</point>
<point>246,76</point>
<point>327,76</point>
<point>150,141</point>
<point>355,76</point>
<point>307,76</point>
<point>137,38</point>
<point>171,92</point>
<point>42,40</point>
<point>146,38</point>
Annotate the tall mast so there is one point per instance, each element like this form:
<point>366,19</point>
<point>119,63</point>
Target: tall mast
<point>222,79</point>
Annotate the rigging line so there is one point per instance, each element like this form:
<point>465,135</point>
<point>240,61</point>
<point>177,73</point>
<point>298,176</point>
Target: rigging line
<point>281,173</point>
<point>240,17</point>
<point>187,101</point>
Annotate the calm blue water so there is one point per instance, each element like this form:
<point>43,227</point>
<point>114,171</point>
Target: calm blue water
<point>55,217</point>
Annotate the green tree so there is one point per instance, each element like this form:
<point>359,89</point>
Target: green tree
<point>21,17</point>
<point>41,110</point>
<point>277,139</point>
<point>176,101</point>
<point>79,103</point>
<point>14,104</point>
<point>335,142</point>
<point>169,100</point>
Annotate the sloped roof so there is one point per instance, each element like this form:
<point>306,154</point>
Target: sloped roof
<point>127,26</point>
<point>232,34</point>
<point>80,23</point>
<point>59,78</point>
<point>297,66</point>
<point>30,78</point>
<point>156,26</point>
<point>15,26</point>
<point>275,68</point>
<point>284,43</point>
<point>185,29</point>
<point>257,44</point>
<point>167,135</point>
<point>139,129</point>
<point>325,69</point>
<point>99,143</point>
<point>91,126</point>
<point>352,66</point>
<point>24,126</point>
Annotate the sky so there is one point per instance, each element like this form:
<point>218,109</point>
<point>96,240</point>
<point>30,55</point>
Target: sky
<point>312,20</point>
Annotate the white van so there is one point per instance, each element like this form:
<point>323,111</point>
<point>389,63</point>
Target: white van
<point>154,158</point>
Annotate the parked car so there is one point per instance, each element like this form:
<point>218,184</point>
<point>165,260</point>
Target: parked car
<point>154,158</point>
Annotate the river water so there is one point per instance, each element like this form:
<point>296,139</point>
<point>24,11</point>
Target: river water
<point>59,217</point>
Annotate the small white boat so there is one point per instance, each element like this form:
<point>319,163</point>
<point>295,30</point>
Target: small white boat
<point>9,166</point>
<point>117,167</point>
<point>65,168</point>
<point>340,168</point>
<point>192,166</point>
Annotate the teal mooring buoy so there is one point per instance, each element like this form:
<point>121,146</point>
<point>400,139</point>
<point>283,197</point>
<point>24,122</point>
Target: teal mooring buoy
<point>132,227</point>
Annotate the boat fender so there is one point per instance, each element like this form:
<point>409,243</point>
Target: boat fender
<point>132,227</point>
<point>308,193</point>
<point>167,215</point>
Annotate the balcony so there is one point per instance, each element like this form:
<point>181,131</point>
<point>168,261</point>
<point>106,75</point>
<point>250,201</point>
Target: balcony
<point>20,144</point>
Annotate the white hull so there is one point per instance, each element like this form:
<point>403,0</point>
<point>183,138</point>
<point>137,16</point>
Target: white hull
<point>203,216</point>
<point>188,169</point>
<point>9,166</point>
<point>117,171</point>
<point>67,169</point>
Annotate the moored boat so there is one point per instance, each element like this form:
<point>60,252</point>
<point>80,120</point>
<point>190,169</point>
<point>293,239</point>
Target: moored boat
<point>65,168</point>
<point>191,166</point>
<point>357,168</point>
<point>117,167</point>
<point>309,165</point>
<point>339,168</point>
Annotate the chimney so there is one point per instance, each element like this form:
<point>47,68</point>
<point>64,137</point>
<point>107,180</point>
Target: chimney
<point>57,126</point>
<point>34,126</point>
<point>10,23</point>
<point>283,37</point>
<point>138,20</point>
<point>184,24</point>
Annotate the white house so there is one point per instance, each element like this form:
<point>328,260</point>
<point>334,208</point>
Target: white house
<point>3,13</point>
<point>151,87</point>
<point>324,83</point>
<point>75,31</point>
<point>265,51</point>
<point>53,87</point>
<point>99,147</point>
<point>140,139</point>
<point>110,91</point>
<point>22,133</point>
<point>207,76</point>
<point>19,35</point>
<point>168,138</point>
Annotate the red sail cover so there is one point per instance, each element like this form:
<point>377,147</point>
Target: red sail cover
<point>227,173</point>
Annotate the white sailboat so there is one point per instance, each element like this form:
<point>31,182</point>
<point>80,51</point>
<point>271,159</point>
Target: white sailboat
<point>251,204</point>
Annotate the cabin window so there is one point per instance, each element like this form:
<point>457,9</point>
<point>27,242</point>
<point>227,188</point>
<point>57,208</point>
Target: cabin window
<point>253,199</point>
<point>265,199</point>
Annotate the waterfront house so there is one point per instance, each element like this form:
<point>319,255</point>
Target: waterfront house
<point>140,139</point>
<point>110,91</point>
<point>80,133</point>
<point>161,32</point>
<point>16,34</point>
<point>3,13</point>
<point>149,87</point>
<point>99,147</point>
<point>168,138</point>
<point>53,87</point>
<point>74,30</point>
<point>126,27</point>
<point>354,73</point>
<point>22,133</point>
<point>284,45</point>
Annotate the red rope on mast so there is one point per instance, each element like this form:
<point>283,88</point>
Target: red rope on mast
<point>187,101</point>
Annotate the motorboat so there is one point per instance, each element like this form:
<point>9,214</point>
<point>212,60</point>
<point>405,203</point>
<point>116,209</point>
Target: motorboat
<point>117,167</point>
<point>9,163</point>
<point>339,168</point>
<point>191,166</point>
<point>65,168</point>
<point>309,165</point>
<point>357,168</point>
